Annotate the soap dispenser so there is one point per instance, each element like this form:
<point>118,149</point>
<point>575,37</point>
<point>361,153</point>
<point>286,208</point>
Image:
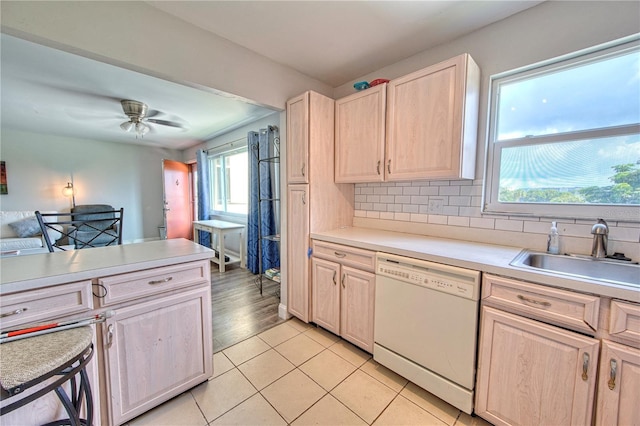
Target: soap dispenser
<point>553,243</point>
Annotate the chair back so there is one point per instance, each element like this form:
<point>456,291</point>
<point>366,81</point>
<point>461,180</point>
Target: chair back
<point>94,217</point>
<point>86,226</point>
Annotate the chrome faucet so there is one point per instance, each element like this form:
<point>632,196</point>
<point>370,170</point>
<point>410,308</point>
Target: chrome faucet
<point>600,233</point>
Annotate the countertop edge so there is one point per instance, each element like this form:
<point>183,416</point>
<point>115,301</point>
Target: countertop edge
<point>50,269</point>
<point>493,259</point>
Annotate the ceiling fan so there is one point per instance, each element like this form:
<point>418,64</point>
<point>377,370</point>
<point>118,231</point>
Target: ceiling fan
<point>139,115</point>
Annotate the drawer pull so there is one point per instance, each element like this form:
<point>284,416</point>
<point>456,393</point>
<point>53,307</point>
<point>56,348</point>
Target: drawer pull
<point>16,312</point>
<point>585,366</point>
<point>338,254</point>
<point>535,302</point>
<point>334,277</point>
<point>612,374</point>
<point>166,280</point>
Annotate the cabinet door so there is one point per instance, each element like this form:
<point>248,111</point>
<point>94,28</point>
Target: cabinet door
<point>425,127</point>
<point>360,136</point>
<point>298,139</point>
<point>297,251</point>
<point>619,385</point>
<point>325,294</point>
<point>530,373</point>
<point>156,350</point>
<point>357,306</point>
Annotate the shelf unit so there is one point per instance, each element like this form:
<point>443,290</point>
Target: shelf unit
<point>268,164</point>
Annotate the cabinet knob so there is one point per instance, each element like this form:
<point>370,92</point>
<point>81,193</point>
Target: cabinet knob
<point>342,280</point>
<point>389,166</point>
<point>378,167</point>
<point>302,170</point>
<point>334,277</point>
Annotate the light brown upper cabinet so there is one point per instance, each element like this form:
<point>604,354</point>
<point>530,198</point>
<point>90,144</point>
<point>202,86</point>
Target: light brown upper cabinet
<point>360,136</point>
<point>298,131</point>
<point>430,130</point>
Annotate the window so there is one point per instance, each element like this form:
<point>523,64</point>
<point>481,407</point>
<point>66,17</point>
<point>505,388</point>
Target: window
<point>564,137</point>
<point>230,181</point>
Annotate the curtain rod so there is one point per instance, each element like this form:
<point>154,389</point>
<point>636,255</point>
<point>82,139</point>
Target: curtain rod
<point>271,127</point>
<point>225,144</point>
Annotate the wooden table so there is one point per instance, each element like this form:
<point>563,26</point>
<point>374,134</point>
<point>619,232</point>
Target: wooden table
<point>220,228</point>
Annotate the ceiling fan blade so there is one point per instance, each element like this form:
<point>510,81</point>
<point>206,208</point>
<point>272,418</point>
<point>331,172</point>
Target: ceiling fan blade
<point>152,113</point>
<point>166,123</point>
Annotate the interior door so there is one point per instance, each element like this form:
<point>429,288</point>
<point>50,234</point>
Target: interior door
<point>177,199</point>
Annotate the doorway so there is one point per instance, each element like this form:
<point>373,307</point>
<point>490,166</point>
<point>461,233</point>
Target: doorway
<point>239,310</point>
<point>177,190</point>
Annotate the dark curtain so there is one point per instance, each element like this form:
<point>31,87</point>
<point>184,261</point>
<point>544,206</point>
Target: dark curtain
<point>264,205</point>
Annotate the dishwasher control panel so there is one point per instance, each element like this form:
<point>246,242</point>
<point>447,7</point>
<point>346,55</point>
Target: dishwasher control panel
<point>448,279</point>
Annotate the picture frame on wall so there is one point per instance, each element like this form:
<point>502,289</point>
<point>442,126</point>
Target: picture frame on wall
<point>3,178</point>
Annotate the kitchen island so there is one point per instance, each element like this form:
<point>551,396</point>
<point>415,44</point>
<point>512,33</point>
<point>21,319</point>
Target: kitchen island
<point>155,345</point>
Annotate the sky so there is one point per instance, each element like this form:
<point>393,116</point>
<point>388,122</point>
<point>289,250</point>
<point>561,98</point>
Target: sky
<point>600,94</point>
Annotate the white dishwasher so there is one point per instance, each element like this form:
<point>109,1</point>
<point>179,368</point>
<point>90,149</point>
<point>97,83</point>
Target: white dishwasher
<point>426,323</point>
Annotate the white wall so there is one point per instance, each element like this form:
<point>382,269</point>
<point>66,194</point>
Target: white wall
<point>548,30</point>
<point>128,176</point>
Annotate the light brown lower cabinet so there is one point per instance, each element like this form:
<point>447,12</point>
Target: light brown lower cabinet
<point>155,350</point>
<point>158,342</point>
<point>343,296</point>
<point>619,385</point>
<point>534,373</point>
<point>533,369</point>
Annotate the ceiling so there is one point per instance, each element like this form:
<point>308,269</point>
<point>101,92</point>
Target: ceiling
<point>332,41</point>
<point>337,41</point>
<point>78,97</point>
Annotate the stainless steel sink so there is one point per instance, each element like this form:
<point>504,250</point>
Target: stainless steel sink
<point>613,271</point>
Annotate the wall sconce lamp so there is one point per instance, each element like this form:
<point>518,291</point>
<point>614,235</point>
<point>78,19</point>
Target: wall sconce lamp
<point>68,191</point>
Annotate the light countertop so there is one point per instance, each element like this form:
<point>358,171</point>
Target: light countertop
<point>19,273</point>
<point>489,258</point>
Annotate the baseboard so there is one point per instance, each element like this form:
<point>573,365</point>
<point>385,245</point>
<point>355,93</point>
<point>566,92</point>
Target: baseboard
<point>282,312</point>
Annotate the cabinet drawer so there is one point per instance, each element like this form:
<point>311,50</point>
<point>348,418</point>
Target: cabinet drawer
<point>119,288</point>
<point>624,321</point>
<point>560,307</point>
<point>346,255</point>
<point>45,304</point>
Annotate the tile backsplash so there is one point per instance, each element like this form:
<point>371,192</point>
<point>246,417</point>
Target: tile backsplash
<point>452,209</point>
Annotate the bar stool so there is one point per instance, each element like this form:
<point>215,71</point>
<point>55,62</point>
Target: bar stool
<point>27,362</point>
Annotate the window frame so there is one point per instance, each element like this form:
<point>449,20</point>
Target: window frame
<point>211,159</point>
<point>493,147</point>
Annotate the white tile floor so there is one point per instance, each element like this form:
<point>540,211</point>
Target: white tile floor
<point>298,374</point>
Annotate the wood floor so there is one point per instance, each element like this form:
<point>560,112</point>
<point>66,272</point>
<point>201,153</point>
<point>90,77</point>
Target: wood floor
<point>238,309</point>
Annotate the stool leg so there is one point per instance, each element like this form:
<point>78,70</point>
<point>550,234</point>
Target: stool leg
<point>73,406</point>
<point>74,417</point>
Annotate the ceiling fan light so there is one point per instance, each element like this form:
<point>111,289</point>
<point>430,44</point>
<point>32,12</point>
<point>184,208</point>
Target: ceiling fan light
<point>142,129</point>
<point>126,126</point>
